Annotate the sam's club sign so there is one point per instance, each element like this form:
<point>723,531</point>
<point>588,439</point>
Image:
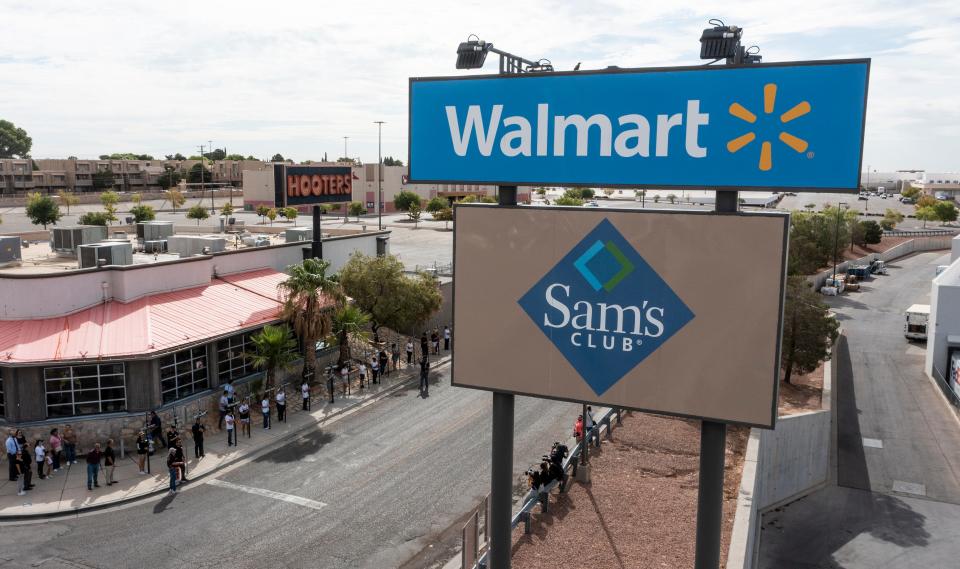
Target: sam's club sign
<point>777,126</point>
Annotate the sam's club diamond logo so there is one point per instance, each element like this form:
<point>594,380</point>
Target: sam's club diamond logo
<point>605,308</point>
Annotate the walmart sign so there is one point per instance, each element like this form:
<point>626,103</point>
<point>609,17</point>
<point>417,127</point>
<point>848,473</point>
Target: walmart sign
<point>778,126</point>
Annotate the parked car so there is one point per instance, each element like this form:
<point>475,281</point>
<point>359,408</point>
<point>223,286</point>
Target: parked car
<point>862,197</point>
<point>908,200</point>
<point>592,204</point>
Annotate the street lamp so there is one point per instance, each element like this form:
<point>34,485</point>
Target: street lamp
<point>723,42</point>
<point>379,174</point>
<point>836,239</point>
<point>472,54</point>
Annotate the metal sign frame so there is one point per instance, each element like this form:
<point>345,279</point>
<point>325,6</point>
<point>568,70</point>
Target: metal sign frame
<point>413,179</point>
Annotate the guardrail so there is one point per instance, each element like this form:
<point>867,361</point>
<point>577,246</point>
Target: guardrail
<point>919,232</point>
<point>473,549</point>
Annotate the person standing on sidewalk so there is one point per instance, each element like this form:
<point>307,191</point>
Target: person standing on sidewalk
<point>56,447</point>
<point>446,338</point>
<point>93,466</point>
<point>384,363</point>
<point>265,411</point>
<point>395,356</point>
<point>40,454</point>
<point>281,399</point>
<point>142,448</point>
<point>305,395</point>
<point>409,351</point>
<point>197,429</point>
<point>362,372</point>
<point>70,444</point>
<point>172,466</point>
<point>181,458</point>
<point>589,425</point>
<point>228,419</point>
<point>156,429</point>
<point>222,409</point>
<point>374,369</point>
<point>27,467</point>
<point>424,383</point>
<point>16,464</point>
<point>109,461</point>
<point>12,448</point>
<point>244,410</point>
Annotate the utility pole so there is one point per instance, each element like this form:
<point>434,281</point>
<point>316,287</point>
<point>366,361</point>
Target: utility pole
<point>210,150</point>
<point>379,174</point>
<point>345,155</point>
<point>201,172</point>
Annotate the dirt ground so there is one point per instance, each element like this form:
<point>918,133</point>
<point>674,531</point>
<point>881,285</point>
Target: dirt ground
<point>639,511</point>
<point>803,393</point>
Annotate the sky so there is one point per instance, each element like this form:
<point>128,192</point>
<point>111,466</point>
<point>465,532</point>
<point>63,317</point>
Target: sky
<point>91,78</point>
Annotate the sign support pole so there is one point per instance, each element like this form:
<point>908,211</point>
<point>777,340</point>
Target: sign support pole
<point>713,446</point>
<point>316,246</point>
<point>501,471</point>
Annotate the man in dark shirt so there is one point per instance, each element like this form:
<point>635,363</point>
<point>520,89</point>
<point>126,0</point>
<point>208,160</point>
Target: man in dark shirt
<point>198,431</point>
<point>171,435</point>
<point>156,429</point>
<point>424,347</point>
<point>93,466</point>
<point>424,383</point>
<point>109,461</point>
<point>177,444</point>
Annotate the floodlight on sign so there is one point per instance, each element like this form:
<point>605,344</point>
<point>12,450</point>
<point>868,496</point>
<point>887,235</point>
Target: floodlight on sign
<point>720,41</point>
<point>472,54</point>
<point>541,66</point>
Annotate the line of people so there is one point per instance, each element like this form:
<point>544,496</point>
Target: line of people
<point>62,452</point>
<point>550,469</point>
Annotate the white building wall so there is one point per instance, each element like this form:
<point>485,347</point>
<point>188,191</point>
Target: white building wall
<point>944,318</point>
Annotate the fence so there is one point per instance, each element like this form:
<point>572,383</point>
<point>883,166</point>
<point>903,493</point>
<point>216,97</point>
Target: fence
<point>919,232</point>
<point>932,243</point>
<point>474,553</point>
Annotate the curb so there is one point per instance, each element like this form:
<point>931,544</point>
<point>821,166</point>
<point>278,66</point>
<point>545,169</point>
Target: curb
<point>235,461</point>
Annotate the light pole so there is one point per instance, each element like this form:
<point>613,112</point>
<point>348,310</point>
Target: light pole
<point>379,174</point>
<point>836,240</point>
<point>345,155</point>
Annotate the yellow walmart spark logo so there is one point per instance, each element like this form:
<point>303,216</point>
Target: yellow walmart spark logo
<point>766,152</point>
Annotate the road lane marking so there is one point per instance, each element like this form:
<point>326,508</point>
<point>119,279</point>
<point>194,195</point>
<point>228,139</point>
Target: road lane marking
<point>268,494</point>
<point>872,443</point>
<point>909,488</point>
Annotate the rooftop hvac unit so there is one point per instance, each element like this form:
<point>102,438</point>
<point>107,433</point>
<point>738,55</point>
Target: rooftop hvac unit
<point>154,230</point>
<point>295,234</point>
<point>112,253</point>
<point>190,245</point>
<point>9,250</point>
<point>155,246</point>
<point>65,240</point>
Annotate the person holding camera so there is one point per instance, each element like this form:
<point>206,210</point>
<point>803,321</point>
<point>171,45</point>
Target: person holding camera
<point>172,467</point>
<point>198,430</point>
<point>143,447</point>
<point>244,410</point>
<point>228,419</point>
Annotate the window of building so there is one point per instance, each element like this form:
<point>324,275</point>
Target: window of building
<point>231,364</point>
<point>183,373</point>
<point>3,398</point>
<point>85,389</point>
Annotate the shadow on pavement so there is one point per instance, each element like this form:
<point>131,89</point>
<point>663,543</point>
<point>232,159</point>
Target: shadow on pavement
<point>294,451</point>
<point>851,459</point>
<point>162,504</point>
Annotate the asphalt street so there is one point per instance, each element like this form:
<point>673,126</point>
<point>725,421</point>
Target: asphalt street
<point>376,489</point>
<point>897,498</point>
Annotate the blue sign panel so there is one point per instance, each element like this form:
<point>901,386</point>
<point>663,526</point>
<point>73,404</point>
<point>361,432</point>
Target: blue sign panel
<point>611,289</point>
<point>768,126</point>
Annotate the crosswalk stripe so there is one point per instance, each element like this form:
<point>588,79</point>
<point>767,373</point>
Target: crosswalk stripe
<point>306,502</point>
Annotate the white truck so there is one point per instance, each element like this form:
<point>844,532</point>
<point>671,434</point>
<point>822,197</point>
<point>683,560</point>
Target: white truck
<point>915,327</point>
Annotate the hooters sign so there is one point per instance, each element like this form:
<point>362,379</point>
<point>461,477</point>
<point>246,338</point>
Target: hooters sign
<point>308,185</point>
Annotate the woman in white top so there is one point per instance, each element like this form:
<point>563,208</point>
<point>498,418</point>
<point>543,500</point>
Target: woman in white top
<point>409,352</point>
<point>362,372</point>
<point>228,419</point>
<point>265,410</point>
<point>281,405</point>
<point>374,368</point>
<point>305,394</point>
<point>40,453</point>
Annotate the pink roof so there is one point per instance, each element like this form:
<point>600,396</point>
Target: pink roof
<point>151,324</point>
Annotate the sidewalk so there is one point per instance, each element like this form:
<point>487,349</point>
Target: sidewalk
<point>66,492</point>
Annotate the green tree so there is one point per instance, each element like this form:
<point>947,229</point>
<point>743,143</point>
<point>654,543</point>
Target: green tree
<point>587,193</point>
<point>541,192</point>
<point>404,199</point>
<point>216,154</point>
<point>945,210</point>
<point>274,349</point>
<point>925,214</point>
<point>445,215</point>
<point>169,178</point>
<point>272,215</point>
<point>291,214</point>
<point>608,192</point>
<point>175,197</point>
<point>94,218</point>
<point>391,161</point>
<point>436,204</point>
<point>14,142</point>
<point>277,158</point>
<point>226,209</point>
<point>414,213</point>
<point>262,211</point>
<point>567,200</point>
<point>176,156</point>
<point>42,210</point>
<point>103,179</point>
<point>380,287</point>
<point>310,298</point>
<point>199,173</point>
<point>357,209</point>
<point>349,323</point>
<point>909,191</point>
<point>872,232</point>
<point>574,193</point>
<point>198,212</point>
<point>808,329</point>
<point>68,199</point>
<point>143,213</point>
<point>487,199</point>
<point>672,198</point>
<point>136,198</point>
<point>235,157</point>
<point>109,198</point>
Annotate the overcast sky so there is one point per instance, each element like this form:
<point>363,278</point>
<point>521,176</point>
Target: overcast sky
<point>90,78</point>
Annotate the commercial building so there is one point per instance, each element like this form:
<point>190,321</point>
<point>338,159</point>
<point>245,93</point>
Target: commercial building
<point>939,184</point>
<point>259,187</point>
<point>943,326</point>
<point>99,347</point>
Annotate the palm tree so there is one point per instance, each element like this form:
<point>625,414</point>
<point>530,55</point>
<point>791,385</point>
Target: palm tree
<point>349,322</point>
<point>274,348</point>
<point>310,297</point>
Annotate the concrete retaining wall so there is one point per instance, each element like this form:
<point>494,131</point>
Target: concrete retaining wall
<point>779,467</point>
<point>901,250</point>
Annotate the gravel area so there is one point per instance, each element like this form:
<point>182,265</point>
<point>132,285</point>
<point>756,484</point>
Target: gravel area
<point>639,511</point>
